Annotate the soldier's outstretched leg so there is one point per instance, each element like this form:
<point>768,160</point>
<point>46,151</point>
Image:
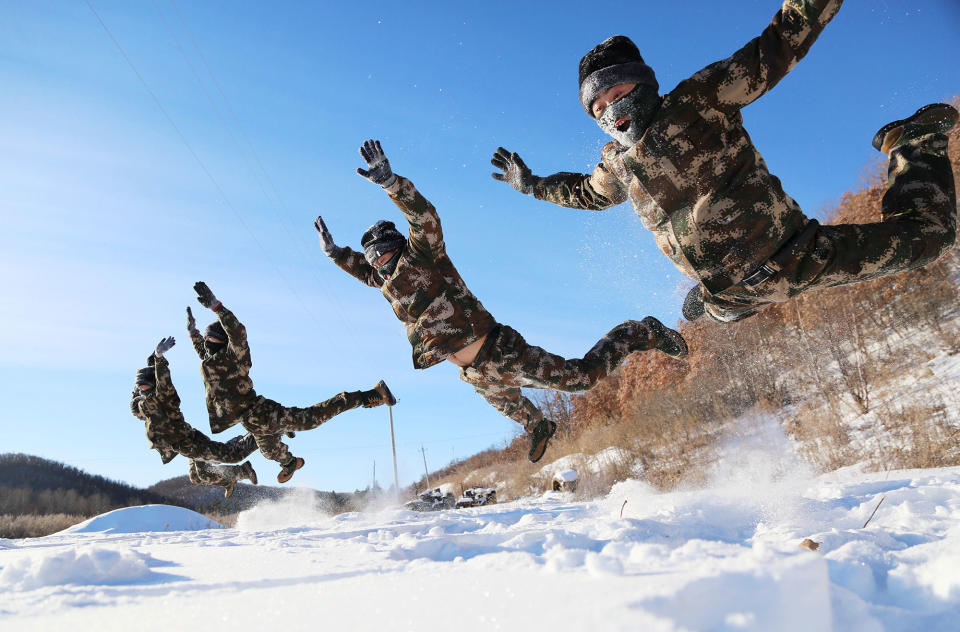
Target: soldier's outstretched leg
<point>506,359</point>
<point>226,476</point>
<point>918,224</point>
<point>295,419</point>
<point>197,445</point>
<point>506,363</point>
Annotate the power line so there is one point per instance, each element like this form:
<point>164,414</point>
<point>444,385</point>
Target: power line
<point>199,161</point>
<point>276,200</point>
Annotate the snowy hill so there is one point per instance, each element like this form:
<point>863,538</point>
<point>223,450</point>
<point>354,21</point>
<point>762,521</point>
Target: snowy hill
<point>144,519</point>
<point>726,557</point>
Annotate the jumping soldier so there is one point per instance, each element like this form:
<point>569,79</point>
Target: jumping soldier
<point>444,321</point>
<point>696,180</point>
<point>158,405</point>
<point>231,399</point>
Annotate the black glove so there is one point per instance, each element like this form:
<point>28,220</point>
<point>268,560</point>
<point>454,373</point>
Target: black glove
<point>164,345</point>
<point>191,322</point>
<point>515,172</point>
<point>204,295</point>
<point>326,239</point>
<point>379,167</point>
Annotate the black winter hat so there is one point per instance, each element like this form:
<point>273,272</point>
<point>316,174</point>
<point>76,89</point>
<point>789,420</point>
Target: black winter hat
<point>381,238</point>
<point>147,375</point>
<point>614,60</point>
<point>215,330</point>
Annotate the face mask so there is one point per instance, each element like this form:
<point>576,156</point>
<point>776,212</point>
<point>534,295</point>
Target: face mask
<point>387,269</point>
<point>639,104</point>
<point>213,347</point>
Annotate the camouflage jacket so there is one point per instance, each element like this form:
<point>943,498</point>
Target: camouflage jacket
<point>695,178</point>
<point>226,374</point>
<point>426,292</point>
<point>163,420</point>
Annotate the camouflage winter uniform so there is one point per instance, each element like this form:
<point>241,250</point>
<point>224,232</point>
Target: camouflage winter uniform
<point>231,398</point>
<point>426,292</point>
<point>442,317</point>
<point>169,433</point>
<point>697,181</point>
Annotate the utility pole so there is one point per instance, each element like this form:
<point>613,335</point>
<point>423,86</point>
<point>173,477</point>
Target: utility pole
<point>374,487</point>
<point>425,474</point>
<point>393,445</point>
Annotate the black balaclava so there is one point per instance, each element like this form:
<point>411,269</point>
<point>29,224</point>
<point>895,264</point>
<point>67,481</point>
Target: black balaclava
<point>135,405</point>
<point>381,238</point>
<point>614,61</point>
<point>147,375</point>
<point>215,330</point>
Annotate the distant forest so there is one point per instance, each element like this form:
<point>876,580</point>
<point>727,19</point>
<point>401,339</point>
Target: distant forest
<point>30,485</point>
<point>39,496</point>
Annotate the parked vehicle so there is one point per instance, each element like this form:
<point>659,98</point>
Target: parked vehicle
<point>432,500</point>
<point>477,496</point>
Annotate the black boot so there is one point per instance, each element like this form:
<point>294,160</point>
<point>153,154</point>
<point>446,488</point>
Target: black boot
<point>248,473</point>
<point>936,118</point>
<point>539,438</point>
<point>667,340</point>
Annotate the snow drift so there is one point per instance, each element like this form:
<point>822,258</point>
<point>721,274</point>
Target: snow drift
<point>145,518</point>
<point>92,566</point>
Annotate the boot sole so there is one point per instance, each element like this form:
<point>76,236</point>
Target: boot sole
<point>283,476</point>
<point>535,456</point>
<point>933,114</point>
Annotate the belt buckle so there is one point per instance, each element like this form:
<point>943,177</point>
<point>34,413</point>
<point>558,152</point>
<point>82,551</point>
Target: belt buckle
<point>762,273</point>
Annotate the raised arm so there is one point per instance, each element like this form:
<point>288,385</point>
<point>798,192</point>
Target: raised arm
<point>750,72</point>
<point>236,332</point>
<point>195,337</point>
<point>593,192</point>
<point>166,392</point>
<point>426,234</point>
<point>346,259</point>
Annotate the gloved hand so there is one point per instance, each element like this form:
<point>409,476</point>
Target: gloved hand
<point>515,171</point>
<point>379,171</point>
<point>326,239</point>
<point>204,295</point>
<point>164,345</point>
<point>191,322</point>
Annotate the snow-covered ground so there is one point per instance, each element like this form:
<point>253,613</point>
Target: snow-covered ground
<point>722,558</point>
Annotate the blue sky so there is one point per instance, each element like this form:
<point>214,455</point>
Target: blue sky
<point>109,218</point>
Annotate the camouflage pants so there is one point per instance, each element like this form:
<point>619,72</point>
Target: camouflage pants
<point>203,473</point>
<point>268,420</point>
<point>193,444</point>
<point>918,225</point>
<point>506,363</point>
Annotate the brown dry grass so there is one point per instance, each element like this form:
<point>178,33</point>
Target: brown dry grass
<point>23,526</point>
